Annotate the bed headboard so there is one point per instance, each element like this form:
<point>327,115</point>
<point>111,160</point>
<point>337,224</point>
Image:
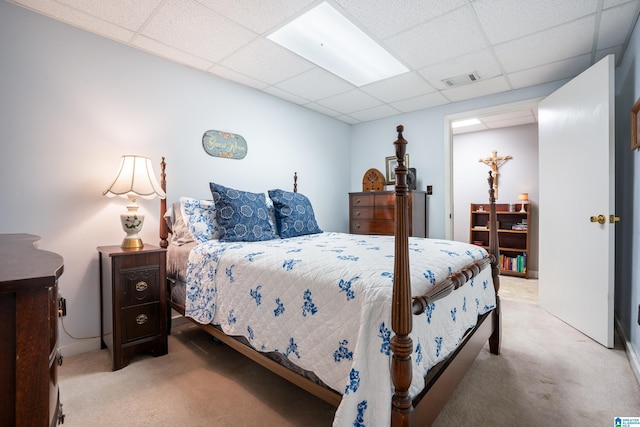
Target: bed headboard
<point>164,228</point>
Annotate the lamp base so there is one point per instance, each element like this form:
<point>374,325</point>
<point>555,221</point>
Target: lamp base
<point>132,224</point>
<point>132,243</point>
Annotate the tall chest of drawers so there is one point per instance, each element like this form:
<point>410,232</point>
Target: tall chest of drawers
<point>29,355</point>
<point>133,302</point>
<point>374,213</point>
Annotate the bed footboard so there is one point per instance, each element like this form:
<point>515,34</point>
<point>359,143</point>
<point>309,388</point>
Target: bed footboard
<point>404,306</point>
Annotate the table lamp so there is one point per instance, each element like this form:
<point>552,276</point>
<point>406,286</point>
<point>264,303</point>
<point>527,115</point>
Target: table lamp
<point>135,178</point>
<point>524,199</point>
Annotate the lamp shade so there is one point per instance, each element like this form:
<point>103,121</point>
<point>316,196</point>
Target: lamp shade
<point>523,197</point>
<point>135,178</point>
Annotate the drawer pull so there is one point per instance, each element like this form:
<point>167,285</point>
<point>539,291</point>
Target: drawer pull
<point>357,213</point>
<point>141,286</point>
<point>357,201</point>
<point>141,319</point>
<point>59,357</point>
<point>357,226</point>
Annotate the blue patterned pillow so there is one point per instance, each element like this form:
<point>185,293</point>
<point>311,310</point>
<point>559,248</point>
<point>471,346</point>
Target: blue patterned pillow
<point>241,216</point>
<point>294,214</point>
<point>200,218</point>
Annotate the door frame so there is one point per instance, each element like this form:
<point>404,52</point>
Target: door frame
<point>448,150</point>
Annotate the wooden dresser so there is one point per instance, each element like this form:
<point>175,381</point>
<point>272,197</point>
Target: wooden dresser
<point>374,213</point>
<point>29,355</point>
<point>133,302</point>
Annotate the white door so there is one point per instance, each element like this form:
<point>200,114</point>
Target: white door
<point>576,261</point>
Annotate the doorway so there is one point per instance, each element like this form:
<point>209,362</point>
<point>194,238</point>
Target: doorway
<point>505,129</point>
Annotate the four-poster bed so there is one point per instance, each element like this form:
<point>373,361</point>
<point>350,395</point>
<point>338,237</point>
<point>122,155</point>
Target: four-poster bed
<point>411,404</point>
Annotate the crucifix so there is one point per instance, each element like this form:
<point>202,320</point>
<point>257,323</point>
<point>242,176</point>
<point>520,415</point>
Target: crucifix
<point>494,163</point>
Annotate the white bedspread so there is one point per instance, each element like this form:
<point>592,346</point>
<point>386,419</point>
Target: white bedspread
<point>324,301</point>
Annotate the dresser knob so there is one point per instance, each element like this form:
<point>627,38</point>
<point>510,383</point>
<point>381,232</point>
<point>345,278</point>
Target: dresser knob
<point>141,319</point>
<point>357,213</point>
<point>357,201</point>
<point>141,286</point>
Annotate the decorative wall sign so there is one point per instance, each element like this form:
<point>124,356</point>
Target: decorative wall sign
<point>224,144</point>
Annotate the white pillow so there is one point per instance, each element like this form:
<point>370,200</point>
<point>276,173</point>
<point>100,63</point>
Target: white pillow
<point>200,218</point>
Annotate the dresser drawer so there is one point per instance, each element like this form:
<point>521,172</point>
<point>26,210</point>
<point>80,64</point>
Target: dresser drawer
<point>140,285</point>
<point>140,321</point>
<point>372,227</point>
<point>362,199</point>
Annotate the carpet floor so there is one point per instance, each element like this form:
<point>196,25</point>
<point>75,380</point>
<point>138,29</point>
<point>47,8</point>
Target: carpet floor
<point>548,374</point>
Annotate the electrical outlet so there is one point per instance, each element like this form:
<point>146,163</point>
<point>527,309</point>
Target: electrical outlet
<point>62,307</point>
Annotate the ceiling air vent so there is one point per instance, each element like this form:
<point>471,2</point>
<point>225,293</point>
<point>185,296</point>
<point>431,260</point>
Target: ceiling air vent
<point>463,79</point>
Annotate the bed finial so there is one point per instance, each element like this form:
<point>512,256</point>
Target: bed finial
<point>401,322</point>
<point>295,182</point>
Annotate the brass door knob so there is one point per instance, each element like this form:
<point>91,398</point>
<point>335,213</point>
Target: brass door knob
<point>600,219</point>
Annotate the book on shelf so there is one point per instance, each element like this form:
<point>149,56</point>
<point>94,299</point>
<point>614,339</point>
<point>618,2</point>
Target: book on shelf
<point>517,263</point>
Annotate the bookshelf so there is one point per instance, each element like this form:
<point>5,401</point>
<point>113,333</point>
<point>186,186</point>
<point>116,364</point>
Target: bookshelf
<point>513,235</point>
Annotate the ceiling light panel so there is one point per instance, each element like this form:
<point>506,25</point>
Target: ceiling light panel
<point>328,39</point>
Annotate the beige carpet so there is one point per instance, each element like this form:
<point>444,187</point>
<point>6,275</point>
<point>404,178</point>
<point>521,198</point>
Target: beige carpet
<point>548,374</point>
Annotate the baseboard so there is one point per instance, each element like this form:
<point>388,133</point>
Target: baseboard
<point>634,361</point>
<point>80,346</point>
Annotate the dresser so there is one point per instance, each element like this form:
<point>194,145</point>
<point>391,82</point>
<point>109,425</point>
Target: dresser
<point>133,302</point>
<point>374,213</point>
<point>29,355</point>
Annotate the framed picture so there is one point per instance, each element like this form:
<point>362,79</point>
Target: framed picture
<point>392,163</point>
<point>635,126</point>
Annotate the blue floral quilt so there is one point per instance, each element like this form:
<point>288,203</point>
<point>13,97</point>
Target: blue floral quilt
<point>324,301</point>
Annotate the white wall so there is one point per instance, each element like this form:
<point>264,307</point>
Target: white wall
<point>627,292</point>
<point>73,103</point>
<point>518,175</point>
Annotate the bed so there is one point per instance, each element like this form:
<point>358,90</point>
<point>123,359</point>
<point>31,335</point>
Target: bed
<point>346,317</point>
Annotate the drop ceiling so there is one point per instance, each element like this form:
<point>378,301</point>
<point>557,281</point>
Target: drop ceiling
<point>508,44</point>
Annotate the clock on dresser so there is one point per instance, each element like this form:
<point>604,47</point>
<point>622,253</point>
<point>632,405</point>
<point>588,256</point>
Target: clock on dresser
<point>133,302</point>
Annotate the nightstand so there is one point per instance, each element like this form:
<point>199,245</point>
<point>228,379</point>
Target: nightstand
<point>133,305</point>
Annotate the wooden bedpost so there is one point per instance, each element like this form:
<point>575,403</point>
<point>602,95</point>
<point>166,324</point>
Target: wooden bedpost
<point>164,230</point>
<point>401,322</point>
<point>494,250</point>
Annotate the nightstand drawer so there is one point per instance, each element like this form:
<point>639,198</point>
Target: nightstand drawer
<point>140,322</point>
<point>140,285</point>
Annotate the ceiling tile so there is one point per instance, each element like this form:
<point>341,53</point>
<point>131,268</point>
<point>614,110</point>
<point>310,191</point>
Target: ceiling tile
<point>406,85</point>
<point>79,19</point>
<point>348,102</point>
<point>549,72</point>
<point>375,17</point>
<point>443,38</point>
<point>315,84</point>
<point>375,113</point>
<point>610,22</point>
<point>259,16</point>
<point>483,62</point>
<point>266,61</point>
<point>505,20</point>
<point>130,14</point>
<point>556,44</point>
<point>237,77</point>
<point>477,89</point>
<point>420,102</point>
<point>196,29</point>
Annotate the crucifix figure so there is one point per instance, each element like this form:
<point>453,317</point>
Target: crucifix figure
<point>494,163</point>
